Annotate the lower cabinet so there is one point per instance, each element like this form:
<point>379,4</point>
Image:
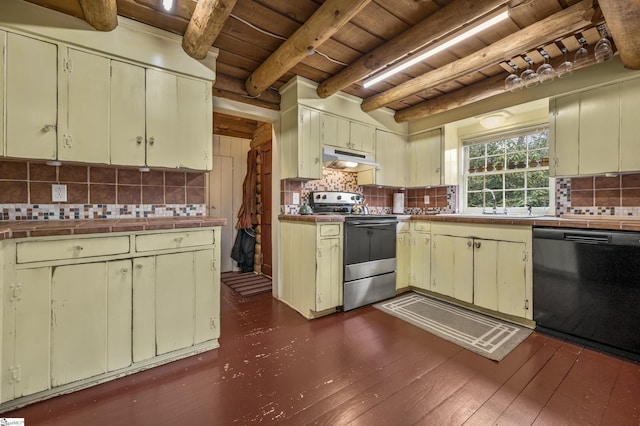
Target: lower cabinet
<point>403,255</point>
<point>312,266</point>
<point>485,265</point>
<point>421,255</point>
<point>70,322</point>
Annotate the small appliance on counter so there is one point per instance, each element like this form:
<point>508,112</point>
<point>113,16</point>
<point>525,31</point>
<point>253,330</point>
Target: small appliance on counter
<point>398,203</point>
<point>305,209</point>
<point>359,209</point>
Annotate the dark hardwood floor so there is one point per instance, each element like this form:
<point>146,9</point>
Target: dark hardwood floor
<point>363,367</point>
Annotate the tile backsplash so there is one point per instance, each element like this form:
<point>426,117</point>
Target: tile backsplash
<point>599,195</point>
<point>98,192</point>
<point>442,199</point>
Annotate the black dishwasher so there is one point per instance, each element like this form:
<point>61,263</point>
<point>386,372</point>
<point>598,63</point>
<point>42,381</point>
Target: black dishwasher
<point>586,287</point>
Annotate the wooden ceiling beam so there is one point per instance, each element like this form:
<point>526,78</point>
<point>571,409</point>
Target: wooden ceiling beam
<point>100,14</point>
<point>484,89</point>
<point>234,85</point>
<point>623,21</point>
<point>206,23</point>
<point>568,21</point>
<point>328,19</point>
<point>438,25</point>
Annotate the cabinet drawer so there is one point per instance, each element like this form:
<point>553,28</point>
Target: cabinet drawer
<point>422,226</point>
<point>39,251</point>
<point>173,240</point>
<point>403,227</point>
<point>330,230</point>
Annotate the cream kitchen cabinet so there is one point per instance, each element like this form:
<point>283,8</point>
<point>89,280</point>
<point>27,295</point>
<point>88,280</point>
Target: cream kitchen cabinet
<point>485,265</point>
<point>31,98</point>
<point>335,131</point>
<point>79,310</point>
<point>83,111</point>
<point>595,131</point>
<point>362,137</point>
<point>403,255</point>
<point>421,255</point>
<point>301,145</point>
<point>391,155</point>
<point>312,267</point>
<point>425,159</point>
<point>3,46</point>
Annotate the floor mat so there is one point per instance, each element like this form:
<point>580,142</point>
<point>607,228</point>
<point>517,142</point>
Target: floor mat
<point>246,283</point>
<point>482,334</point>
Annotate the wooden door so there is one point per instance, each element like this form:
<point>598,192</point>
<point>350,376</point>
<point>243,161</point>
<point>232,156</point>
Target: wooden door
<point>222,187</point>
<point>266,185</point>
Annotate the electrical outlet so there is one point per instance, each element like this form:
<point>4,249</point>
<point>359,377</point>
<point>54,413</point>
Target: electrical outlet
<point>426,199</point>
<point>59,193</point>
<point>296,198</point>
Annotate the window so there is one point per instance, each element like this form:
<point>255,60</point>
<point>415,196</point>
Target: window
<point>514,166</point>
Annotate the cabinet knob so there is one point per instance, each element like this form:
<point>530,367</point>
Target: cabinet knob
<point>139,140</point>
<point>477,244</point>
<point>78,248</point>
<point>124,270</point>
<point>49,127</point>
<point>139,266</point>
<point>469,242</point>
<point>178,240</point>
<point>152,140</point>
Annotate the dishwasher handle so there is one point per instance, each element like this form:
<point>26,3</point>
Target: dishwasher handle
<point>616,238</point>
<point>587,239</point>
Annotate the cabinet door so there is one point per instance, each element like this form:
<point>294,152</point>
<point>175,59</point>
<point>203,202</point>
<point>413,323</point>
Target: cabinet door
<point>207,296</point>
<point>144,308</point>
<point>119,314</point>
<point>26,327</point>
<point>485,272</point>
<point>564,135</point>
<point>78,348</point>
<point>452,267</point>
<point>329,273</point>
<point>175,302</point>
<point>390,154</point>
<point>309,146</point>
<point>599,130</point>
<point>403,266</point>
<point>362,137</point>
<point>31,98</point>
<point>629,126</point>
<point>421,260</point>
<point>127,106</point>
<point>195,127</point>
<point>86,112</point>
<point>425,159</point>
<point>3,46</point>
<point>335,131</point>
<point>511,278</point>
<point>162,118</point>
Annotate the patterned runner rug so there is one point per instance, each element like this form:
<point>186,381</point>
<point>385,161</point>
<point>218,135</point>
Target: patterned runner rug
<point>482,334</point>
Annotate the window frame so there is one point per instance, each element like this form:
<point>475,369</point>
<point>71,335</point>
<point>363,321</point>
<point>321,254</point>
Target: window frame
<point>492,137</point>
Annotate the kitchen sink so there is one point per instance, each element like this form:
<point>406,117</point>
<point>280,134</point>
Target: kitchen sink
<point>497,215</point>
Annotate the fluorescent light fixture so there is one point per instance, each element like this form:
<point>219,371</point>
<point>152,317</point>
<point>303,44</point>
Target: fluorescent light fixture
<point>167,4</point>
<point>474,29</point>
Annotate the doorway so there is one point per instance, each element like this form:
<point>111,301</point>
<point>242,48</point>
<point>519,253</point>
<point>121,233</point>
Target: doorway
<point>266,185</point>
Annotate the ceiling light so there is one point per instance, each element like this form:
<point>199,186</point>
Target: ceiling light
<point>167,5</point>
<point>470,31</point>
<point>494,119</point>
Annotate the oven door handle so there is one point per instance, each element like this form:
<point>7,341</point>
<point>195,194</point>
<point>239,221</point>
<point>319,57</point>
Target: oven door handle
<point>370,224</point>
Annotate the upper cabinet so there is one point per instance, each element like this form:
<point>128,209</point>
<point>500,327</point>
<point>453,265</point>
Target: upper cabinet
<point>301,145</point>
<point>425,158</point>
<point>195,124</point>
<point>391,155</point>
<point>348,134</point>
<point>162,118</point>
<point>3,44</point>
<point>362,137</point>
<point>83,111</point>
<point>595,131</point>
<point>31,98</point>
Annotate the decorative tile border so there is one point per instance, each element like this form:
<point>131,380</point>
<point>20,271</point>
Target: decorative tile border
<point>97,211</point>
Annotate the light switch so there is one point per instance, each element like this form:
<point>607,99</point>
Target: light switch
<point>59,193</point>
<point>426,199</point>
<point>296,198</point>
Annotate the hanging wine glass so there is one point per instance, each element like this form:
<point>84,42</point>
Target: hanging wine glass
<point>513,82</point>
<point>582,54</point>
<point>603,50</point>
<point>546,73</point>
<point>529,76</point>
<point>565,69</point>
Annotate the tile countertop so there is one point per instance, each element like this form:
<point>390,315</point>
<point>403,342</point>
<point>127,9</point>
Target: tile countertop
<point>623,223</point>
<point>40,228</point>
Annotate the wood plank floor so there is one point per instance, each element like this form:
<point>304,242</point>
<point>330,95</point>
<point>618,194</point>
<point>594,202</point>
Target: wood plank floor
<point>363,367</point>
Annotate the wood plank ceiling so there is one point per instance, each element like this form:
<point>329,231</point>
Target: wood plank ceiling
<point>337,43</point>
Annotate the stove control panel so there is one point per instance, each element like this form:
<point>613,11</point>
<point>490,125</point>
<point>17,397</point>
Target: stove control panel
<point>335,197</point>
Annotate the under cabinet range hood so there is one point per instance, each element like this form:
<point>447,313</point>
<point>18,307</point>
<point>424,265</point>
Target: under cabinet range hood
<point>347,161</point>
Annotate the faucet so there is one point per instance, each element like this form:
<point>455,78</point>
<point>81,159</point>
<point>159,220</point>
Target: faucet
<point>495,208</point>
<point>528,206</point>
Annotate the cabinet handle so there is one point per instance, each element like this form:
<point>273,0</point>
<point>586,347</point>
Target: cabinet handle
<point>139,266</point>
<point>49,127</point>
<point>477,244</point>
<point>78,248</point>
<point>124,270</point>
<point>152,140</point>
<point>178,240</point>
<point>138,140</point>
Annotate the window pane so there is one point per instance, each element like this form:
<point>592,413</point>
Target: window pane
<point>494,148</point>
<point>514,180</point>
<point>538,179</point>
<point>494,181</point>
<point>539,140</point>
<point>514,198</point>
<point>474,199</point>
<point>475,183</point>
<point>476,151</point>
<point>538,197</point>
